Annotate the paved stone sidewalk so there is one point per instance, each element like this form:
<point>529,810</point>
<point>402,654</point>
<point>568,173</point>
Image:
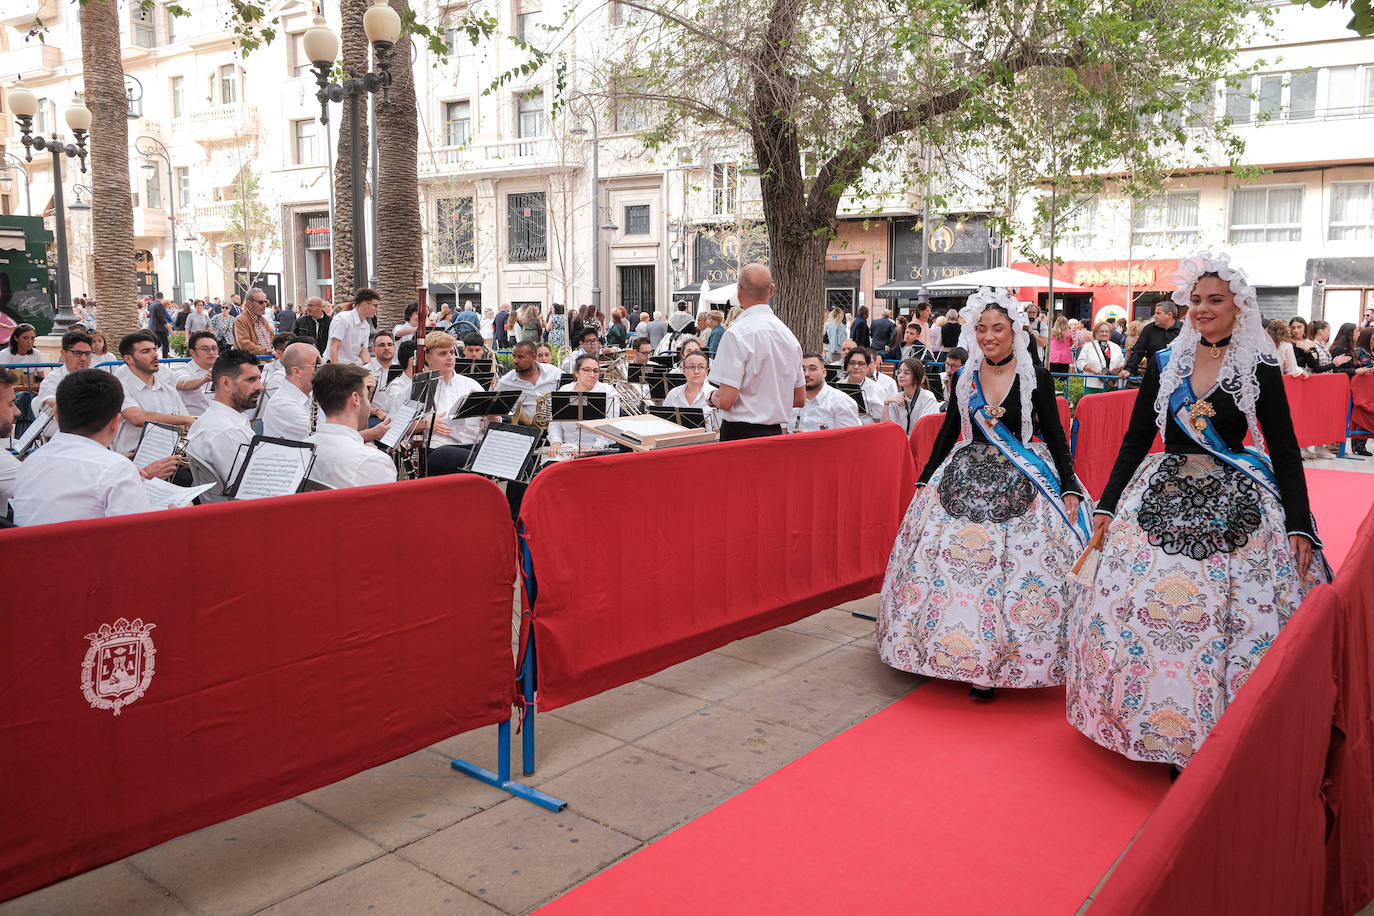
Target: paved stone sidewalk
<point>415,837</point>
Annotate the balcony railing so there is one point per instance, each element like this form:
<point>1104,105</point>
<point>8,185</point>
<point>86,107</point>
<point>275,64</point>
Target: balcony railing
<point>219,122</point>
<point>30,59</point>
<point>213,217</point>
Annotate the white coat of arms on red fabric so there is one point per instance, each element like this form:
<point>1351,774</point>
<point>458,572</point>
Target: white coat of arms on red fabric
<point>119,664</point>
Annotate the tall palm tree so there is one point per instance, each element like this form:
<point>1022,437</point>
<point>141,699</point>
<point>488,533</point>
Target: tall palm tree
<point>398,190</point>
<point>112,217</point>
<point>355,52</point>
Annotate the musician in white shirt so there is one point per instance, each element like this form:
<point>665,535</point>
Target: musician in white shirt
<point>913,400</point>
<point>569,438</point>
<point>218,434</point>
<point>697,391</point>
<point>150,395</point>
<point>529,377</point>
<point>383,358</point>
<point>76,476</point>
<point>341,457</point>
<point>194,380</point>
<point>887,386</point>
<point>77,353</point>
<point>288,414</point>
<point>349,331</point>
<point>451,440</point>
<point>9,465</point>
<point>856,367</point>
<point>757,370</point>
<point>1100,356</point>
<point>825,407</point>
<point>591,346</point>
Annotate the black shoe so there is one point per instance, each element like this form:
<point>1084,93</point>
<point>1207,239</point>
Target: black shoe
<point>1174,773</point>
<point>1360,448</point>
<point>981,694</point>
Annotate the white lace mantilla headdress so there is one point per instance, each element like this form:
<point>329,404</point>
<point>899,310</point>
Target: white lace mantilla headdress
<point>1250,343</point>
<point>968,339</point>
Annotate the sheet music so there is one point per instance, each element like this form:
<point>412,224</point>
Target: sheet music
<point>158,442</point>
<point>502,454</point>
<point>400,424</point>
<point>273,470</point>
<point>646,426</point>
<point>164,495</point>
<point>35,430</point>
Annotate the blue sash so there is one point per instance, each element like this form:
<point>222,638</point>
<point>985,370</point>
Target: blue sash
<point>1250,462</point>
<point>1039,471</point>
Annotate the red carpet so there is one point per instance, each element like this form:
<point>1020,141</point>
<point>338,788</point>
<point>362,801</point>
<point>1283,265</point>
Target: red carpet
<point>934,805</point>
<point>1340,500</point>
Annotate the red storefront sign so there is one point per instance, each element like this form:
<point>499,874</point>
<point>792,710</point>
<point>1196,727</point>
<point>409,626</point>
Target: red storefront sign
<point>1109,280</point>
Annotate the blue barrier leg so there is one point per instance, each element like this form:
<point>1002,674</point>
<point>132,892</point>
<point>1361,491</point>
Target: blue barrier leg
<point>502,780</point>
<point>527,714</point>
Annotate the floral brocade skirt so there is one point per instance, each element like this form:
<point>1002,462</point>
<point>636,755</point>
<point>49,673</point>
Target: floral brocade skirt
<point>978,586</point>
<point>1195,582</point>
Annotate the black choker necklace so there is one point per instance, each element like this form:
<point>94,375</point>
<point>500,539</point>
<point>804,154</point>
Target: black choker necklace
<point>1215,348</point>
<point>999,363</point>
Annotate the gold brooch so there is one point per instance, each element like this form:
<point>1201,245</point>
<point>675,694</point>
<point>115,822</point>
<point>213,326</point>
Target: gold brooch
<point>993,415</point>
<point>1199,410</point>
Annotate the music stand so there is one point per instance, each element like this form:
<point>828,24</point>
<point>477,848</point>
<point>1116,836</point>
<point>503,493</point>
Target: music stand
<point>574,406</point>
<point>269,450</point>
<point>659,385</point>
<point>690,417</point>
<point>33,436</point>
<point>486,404</point>
<point>423,387</point>
<point>494,455</point>
<point>466,366</point>
<point>665,360</point>
<point>566,378</point>
<point>635,373</point>
<point>857,393</point>
<point>834,375</point>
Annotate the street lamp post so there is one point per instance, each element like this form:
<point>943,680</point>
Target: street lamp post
<point>597,227</point>
<point>149,147</point>
<point>24,104</point>
<point>5,178</point>
<point>383,27</point>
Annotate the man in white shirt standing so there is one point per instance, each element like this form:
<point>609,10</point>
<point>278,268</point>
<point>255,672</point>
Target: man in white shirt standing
<point>825,407</point>
<point>757,371</point>
<point>288,414</point>
<point>349,331</point>
<point>341,457</point>
<point>193,382</point>
<point>150,396</point>
<point>216,436</point>
<point>531,379</point>
<point>76,476</point>
<point>9,465</point>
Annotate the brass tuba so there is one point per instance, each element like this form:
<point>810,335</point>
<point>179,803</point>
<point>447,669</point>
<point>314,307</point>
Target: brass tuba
<point>617,375</point>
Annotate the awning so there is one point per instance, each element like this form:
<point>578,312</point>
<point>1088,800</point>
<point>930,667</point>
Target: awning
<point>911,289</point>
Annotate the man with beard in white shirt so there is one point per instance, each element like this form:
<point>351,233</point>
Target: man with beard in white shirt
<point>9,465</point>
<point>341,457</point>
<point>194,380</point>
<point>76,476</point>
<point>529,377</point>
<point>218,434</point>
<point>825,407</point>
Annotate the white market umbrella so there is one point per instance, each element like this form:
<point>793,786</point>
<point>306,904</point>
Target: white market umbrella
<point>1005,277</point>
<point>702,294</point>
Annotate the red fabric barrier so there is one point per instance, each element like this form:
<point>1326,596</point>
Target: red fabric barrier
<point>1065,414</point>
<point>1317,403</point>
<point>259,684</point>
<point>744,536</point>
<point>923,439</point>
<point>1242,830</point>
<point>1350,850</point>
<point>1102,422</point>
<point>1362,403</point>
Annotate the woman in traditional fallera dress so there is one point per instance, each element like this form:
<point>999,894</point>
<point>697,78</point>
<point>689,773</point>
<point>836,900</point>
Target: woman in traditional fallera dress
<point>1209,546</point>
<point>978,587</point>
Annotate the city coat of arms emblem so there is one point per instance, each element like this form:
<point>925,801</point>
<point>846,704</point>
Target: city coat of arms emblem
<point>119,664</point>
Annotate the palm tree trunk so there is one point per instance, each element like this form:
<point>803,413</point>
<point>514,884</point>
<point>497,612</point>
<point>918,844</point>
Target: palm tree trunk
<point>355,53</point>
<point>399,272</point>
<point>112,215</point>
